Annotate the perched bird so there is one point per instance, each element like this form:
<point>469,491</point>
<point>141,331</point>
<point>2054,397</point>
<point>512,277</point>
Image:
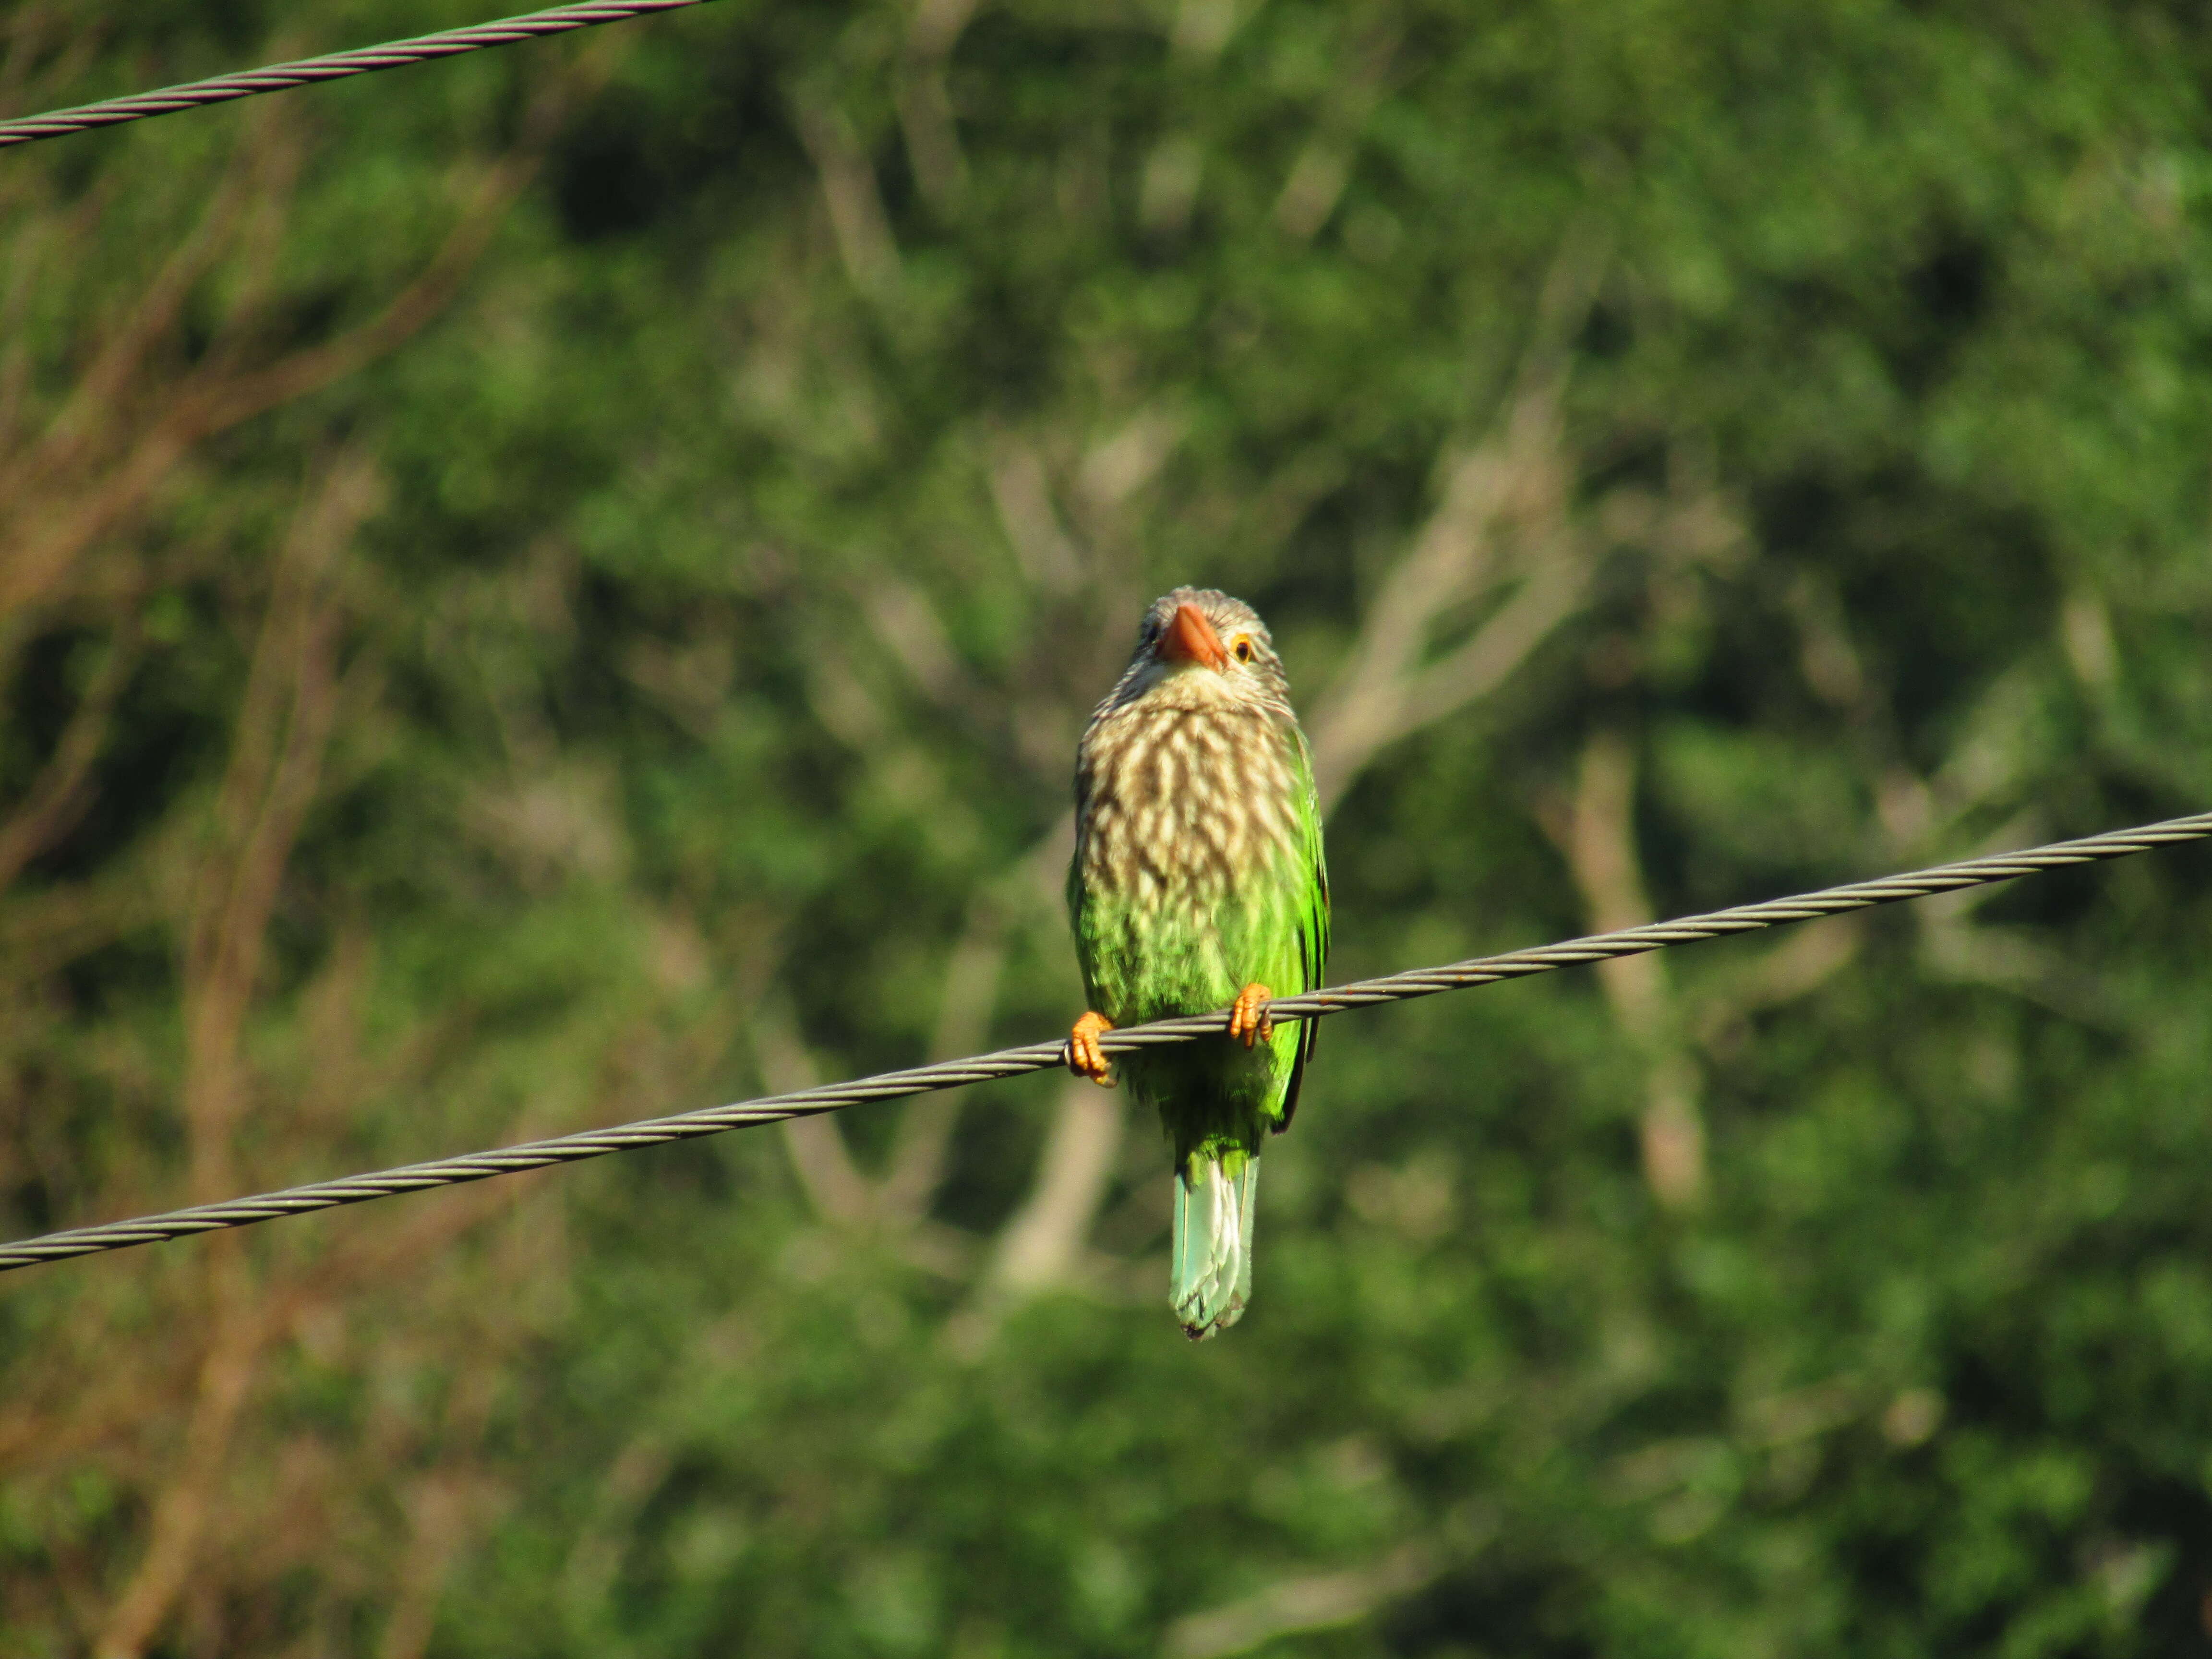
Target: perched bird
<point>1198,883</point>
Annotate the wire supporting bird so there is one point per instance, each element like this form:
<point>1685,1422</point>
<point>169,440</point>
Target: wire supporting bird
<point>1198,883</point>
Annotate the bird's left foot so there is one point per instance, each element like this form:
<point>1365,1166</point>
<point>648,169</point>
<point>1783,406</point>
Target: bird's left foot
<point>1247,1017</point>
<point>1084,1057</point>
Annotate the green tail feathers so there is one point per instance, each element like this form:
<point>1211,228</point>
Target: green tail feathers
<point>1212,1270</point>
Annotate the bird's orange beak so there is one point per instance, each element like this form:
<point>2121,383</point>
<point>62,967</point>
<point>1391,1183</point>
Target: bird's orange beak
<point>1190,638</point>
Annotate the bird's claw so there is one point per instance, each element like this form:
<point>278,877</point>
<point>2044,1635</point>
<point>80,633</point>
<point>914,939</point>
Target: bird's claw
<point>1248,1016</point>
<point>1084,1057</point>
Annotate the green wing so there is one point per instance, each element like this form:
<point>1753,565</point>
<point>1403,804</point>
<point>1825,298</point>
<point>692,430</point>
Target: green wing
<point>1311,921</point>
<point>1075,910</point>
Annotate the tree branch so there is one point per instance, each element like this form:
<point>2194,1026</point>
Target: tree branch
<point>1599,839</point>
<point>1317,1601</point>
<point>60,795</point>
<point>833,1183</point>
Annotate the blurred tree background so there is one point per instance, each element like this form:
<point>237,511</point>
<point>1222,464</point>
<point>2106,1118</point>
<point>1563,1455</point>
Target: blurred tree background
<point>561,586</point>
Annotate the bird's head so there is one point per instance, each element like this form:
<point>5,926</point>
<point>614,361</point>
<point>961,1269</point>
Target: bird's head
<point>1197,647</point>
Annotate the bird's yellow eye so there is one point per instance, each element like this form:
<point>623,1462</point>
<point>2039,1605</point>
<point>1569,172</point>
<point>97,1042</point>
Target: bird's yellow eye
<point>1243,649</point>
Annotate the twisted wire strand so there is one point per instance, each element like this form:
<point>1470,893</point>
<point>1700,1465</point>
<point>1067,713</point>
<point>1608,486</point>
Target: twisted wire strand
<point>1039,1056</point>
<point>337,66</point>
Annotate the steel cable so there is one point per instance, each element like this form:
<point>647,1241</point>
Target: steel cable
<point>363,60</point>
<point>1039,1056</point>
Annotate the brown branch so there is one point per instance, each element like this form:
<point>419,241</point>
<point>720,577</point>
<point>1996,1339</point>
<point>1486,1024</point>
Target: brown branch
<point>217,407</point>
<point>1317,1601</point>
<point>1317,178</point>
<point>964,1017</point>
<point>218,394</point>
<point>443,1502</point>
<point>1023,495</point>
<point>1507,493</point>
<point>1472,671</point>
<point>60,794</point>
<point>1800,965</point>
<point>1042,1244</point>
<point>903,620</point>
<point>37,564</point>
<point>23,34</point>
<point>87,1402</point>
<point>1025,896</point>
<point>857,219</point>
<point>1599,839</point>
<point>925,109</point>
<point>72,435</point>
<point>182,1512</point>
<point>35,235</point>
<point>41,931</point>
<point>594,1560</point>
<point>283,724</point>
<point>833,1183</point>
<point>202,1521</point>
<point>437,1518</point>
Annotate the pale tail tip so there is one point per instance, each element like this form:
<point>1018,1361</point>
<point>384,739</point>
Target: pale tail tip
<point>1213,1276</point>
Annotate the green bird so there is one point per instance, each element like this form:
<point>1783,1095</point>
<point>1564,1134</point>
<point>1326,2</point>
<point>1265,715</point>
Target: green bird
<point>1198,883</point>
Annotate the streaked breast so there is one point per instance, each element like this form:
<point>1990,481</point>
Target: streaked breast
<point>1184,806</point>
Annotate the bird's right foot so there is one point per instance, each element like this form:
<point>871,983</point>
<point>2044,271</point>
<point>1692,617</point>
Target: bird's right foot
<point>1247,1017</point>
<point>1084,1057</point>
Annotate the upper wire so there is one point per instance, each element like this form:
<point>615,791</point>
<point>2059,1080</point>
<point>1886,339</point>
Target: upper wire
<point>337,66</point>
<point>1038,1057</point>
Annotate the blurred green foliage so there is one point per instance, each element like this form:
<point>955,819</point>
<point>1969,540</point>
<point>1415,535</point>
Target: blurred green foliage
<point>561,585</point>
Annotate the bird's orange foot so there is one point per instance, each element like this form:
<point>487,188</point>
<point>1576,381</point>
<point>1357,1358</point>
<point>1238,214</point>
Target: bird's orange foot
<point>1084,1057</point>
<point>1247,1017</point>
